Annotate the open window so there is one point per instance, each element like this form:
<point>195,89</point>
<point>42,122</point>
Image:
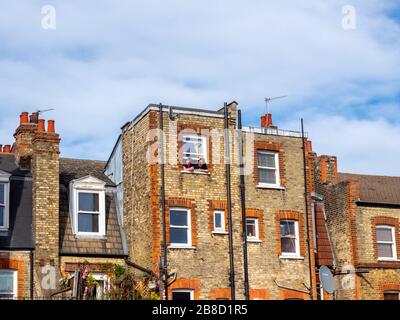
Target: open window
<point>194,152</point>
<point>4,200</point>
<point>87,204</point>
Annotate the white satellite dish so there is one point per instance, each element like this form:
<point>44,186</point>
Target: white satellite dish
<point>326,279</point>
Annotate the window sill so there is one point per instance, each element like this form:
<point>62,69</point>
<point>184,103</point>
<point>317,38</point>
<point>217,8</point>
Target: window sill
<point>254,241</point>
<point>388,260</point>
<point>221,233</point>
<point>291,257</point>
<point>266,186</point>
<point>204,173</point>
<point>90,236</point>
<point>181,247</point>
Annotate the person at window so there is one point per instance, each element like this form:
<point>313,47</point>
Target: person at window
<point>188,166</point>
<point>201,165</point>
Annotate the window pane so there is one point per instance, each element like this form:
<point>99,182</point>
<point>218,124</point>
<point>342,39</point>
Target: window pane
<point>266,160</point>
<point>181,295</point>
<point>218,220</point>
<point>6,282</point>
<point>179,235</point>
<point>251,228</point>
<point>288,245</point>
<point>178,218</point>
<point>88,222</point>
<point>1,193</point>
<point>288,228</point>
<point>1,216</point>
<point>391,296</point>
<point>89,202</point>
<point>385,250</point>
<point>384,234</point>
<point>267,176</point>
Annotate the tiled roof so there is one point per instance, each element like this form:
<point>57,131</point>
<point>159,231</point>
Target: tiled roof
<point>376,189</point>
<point>324,254</point>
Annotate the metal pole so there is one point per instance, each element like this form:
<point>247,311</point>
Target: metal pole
<point>243,205</point>
<point>164,267</point>
<point>306,200</point>
<point>229,200</point>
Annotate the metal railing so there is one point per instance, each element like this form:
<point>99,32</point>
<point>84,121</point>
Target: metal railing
<point>274,131</point>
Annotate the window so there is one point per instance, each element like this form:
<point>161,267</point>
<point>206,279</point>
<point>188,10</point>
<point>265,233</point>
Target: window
<point>219,221</point>
<point>8,284</point>
<point>4,209</point>
<point>268,170</point>
<point>88,204</point>
<point>391,295</point>
<point>182,295</point>
<point>179,227</point>
<point>289,238</point>
<point>101,286</point>
<point>385,237</point>
<point>252,229</point>
<point>194,147</point>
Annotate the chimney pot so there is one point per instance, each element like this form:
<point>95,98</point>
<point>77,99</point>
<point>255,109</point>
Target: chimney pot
<point>309,146</point>
<point>266,120</point>
<point>1,148</point>
<point>41,127</point>
<point>7,148</point>
<point>50,126</point>
<point>34,117</point>
<point>23,118</point>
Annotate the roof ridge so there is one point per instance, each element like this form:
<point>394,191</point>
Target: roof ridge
<point>368,175</point>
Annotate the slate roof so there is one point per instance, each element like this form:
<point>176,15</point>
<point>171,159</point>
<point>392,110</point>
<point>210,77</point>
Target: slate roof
<point>71,169</point>
<point>376,189</point>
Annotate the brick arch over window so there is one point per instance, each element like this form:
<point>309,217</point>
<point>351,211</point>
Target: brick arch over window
<point>286,294</point>
<point>224,293</point>
<point>186,283</point>
<point>259,214</point>
<point>258,294</point>
<point>19,267</point>
<point>184,204</point>
<point>388,286</point>
<point>295,216</point>
<point>213,205</point>
<point>275,147</point>
<point>388,221</point>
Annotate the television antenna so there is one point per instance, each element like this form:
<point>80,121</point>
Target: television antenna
<point>45,110</point>
<point>267,100</point>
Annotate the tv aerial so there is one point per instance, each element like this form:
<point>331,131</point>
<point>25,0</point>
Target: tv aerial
<point>267,100</point>
<point>44,110</point>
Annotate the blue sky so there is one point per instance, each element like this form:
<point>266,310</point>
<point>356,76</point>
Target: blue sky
<point>106,61</point>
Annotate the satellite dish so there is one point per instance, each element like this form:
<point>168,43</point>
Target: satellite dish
<point>326,279</point>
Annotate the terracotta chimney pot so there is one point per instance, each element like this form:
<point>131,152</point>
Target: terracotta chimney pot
<point>7,148</point>
<point>41,127</point>
<point>23,118</point>
<point>50,126</point>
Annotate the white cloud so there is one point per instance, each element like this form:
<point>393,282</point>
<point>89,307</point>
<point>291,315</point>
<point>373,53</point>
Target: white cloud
<point>106,61</point>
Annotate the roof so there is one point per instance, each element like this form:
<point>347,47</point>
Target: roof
<point>376,189</point>
<point>324,254</point>
<point>71,169</point>
<point>19,234</point>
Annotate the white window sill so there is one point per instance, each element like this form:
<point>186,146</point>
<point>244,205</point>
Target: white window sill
<point>204,173</point>
<point>388,260</point>
<point>220,232</point>
<point>90,236</point>
<point>172,246</point>
<point>254,240</point>
<point>282,257</point>
<point>269,186</point>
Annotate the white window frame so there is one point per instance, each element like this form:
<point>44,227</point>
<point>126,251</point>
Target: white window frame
<point>15,281</point>
<point>204,143</point>
<point>106,281</point>
<point>277,172</point>
<point>88,185</point>
<point>297,239</point>
<point>4,180</point>
<point>222,229</point>
<point>392,243</point>
<point>255,238</point>
<point>189,228</point>
<point>191,291</point>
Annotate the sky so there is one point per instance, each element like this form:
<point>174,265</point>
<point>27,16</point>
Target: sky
<point>105,61</point>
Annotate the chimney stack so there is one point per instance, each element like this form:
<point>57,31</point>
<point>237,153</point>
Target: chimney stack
<point>266,121</point>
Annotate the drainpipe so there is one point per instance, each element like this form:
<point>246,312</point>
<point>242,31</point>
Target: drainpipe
<point>31,274</point>
<point>306,200</point>
<point>164,268</point>
<point>243,205</point>
<point>229,200</point>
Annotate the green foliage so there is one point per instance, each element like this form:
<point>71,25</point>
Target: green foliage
<point>119,271</point>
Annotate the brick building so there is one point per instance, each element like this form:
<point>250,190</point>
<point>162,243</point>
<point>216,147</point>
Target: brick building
<point>362,215</point>
<point>55,215</point>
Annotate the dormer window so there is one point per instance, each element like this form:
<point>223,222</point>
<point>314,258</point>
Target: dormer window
<point>4,200</point>
<point>88,207</point>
